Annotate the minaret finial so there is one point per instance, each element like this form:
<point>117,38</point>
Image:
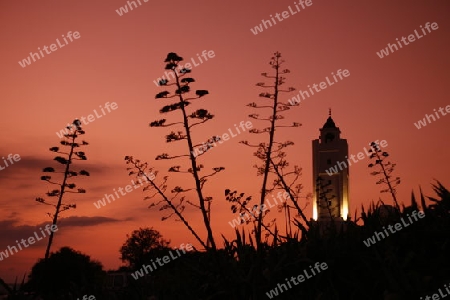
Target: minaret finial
<point>329,112</point>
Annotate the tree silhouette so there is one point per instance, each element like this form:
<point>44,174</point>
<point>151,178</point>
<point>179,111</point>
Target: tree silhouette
<point>64,187</point>
<point>68,274</point>
<point>142,245</point>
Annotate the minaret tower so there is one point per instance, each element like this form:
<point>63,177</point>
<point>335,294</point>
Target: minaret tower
<point>330,188</point>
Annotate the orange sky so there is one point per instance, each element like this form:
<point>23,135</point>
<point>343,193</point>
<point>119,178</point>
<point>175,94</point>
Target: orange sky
<point>116,58</point>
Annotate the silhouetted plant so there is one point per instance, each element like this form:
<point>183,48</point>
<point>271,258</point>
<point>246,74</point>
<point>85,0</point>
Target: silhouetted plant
<point>16,292</point>
<point>69,274</point>
<point>143,170</point>
<point>69,140</point>
<point>386,168</point>
<point>293,191</point>
<point>142,245</point>
<point>246,215</point>
<point>324,197</point>
<point>189,120</point>
<point>272,152</point>
<point>442,204</point>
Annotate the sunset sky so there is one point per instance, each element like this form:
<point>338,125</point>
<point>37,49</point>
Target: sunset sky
<point>116,59</point>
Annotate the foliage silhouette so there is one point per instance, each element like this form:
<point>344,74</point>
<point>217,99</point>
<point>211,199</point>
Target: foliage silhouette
<point>142,169</point>
<point>64,187</point>
<point>189,120</point>
<point>386,168</point>
<point>69,274</point>
<point>272,152</point>
<point>142,245</point>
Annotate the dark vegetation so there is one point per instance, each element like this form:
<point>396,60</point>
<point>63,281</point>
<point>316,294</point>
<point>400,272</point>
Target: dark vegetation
<point>413,262</point>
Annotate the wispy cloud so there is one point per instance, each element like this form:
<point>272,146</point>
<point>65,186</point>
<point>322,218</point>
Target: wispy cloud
<point>83,221</point>
<point>11,230</point>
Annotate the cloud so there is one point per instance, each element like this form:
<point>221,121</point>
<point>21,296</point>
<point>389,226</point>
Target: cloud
<point>10,231</point>
<point>29,169</point>
<point>80,221</point>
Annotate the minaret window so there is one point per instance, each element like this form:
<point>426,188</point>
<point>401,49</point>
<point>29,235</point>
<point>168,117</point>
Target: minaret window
<point>329,137</point>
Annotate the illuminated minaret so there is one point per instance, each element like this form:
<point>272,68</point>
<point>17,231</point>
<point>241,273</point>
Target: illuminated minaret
<point>330,151</point>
